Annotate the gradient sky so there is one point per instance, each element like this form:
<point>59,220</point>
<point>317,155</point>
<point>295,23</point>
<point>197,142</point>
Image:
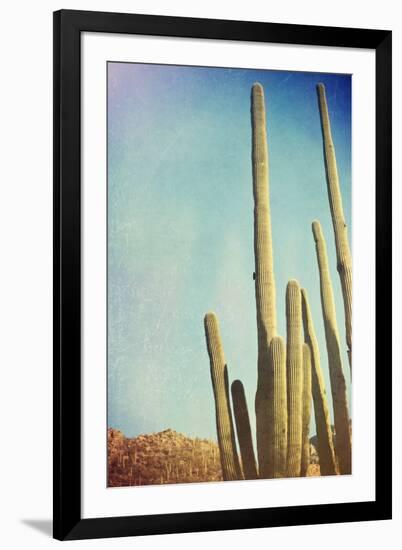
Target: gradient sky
<point>180,229</point>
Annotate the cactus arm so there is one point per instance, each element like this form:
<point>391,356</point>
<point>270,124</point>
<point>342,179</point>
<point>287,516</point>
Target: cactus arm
<point>294,371</point>
<point>263,275</point>
<point>277,410</point>
<point>305,459</point>
<point>337,378</point>
<point>344,258</point>
<point>224,422</point>
<point>325,449</point>
<point>243,430</point>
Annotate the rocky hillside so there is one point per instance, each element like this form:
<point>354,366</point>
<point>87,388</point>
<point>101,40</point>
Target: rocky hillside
<point>164,457</point>
<point>168,457</point>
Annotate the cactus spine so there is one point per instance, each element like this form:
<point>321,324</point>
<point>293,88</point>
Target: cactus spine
<point>294,370</point>
<point>277,410</point>
<point>264,275</point>
<point>306,414</point>
<point>344,258</point>
<point>338,385</point>
<point>325,443</point>
<point>243,430</point>
<point>224,422</point>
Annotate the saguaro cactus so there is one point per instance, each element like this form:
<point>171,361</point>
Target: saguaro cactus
<point>306,410</point>
<point>287,378</point>
<point>325,443</point>
<point>294,370</point>
<point>277,410</point>
<point>343,254</point>
<point>224,422</point>
<point>338,385</point>
<point>264,274</point>
<point>243,430</point>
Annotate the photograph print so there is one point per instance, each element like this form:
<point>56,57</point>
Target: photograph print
<point>229,274</point>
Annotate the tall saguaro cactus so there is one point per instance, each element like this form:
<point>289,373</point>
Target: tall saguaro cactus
<point>343,254</point>
<point>338,384</point>
<point>290,377</point>
<point>264,274</point>
<point>243,430</point>
<point>224,422</point>
<point>306,410</point>
<point>325,443</point>
<point>294,370</point>
<point>277,411</point>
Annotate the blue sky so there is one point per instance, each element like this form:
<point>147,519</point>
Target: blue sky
<point>180,229</point>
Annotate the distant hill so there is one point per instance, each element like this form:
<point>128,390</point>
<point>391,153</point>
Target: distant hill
<point>168,457</point>
<point>161,458</point>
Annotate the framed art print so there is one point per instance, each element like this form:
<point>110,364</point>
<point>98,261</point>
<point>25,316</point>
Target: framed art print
<point>222,274</point>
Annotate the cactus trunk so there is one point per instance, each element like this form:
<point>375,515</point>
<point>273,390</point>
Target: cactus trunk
<point>344,258</point>
<point>224,422</point>
<point>338,384</point>
<point>294,370</point>
<point>264,275</point>
<point>244,431</point>
<point>277,411</point>
<point>325,443</point>
<point>305,459</point>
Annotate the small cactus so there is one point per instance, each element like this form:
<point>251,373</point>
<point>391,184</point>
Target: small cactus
<point>325,443</point>
<point>294,370</point>
<point>306,413</point>
<point>277,410</point>
<point>243,430</point>
<point>338,384</point>
<point>224,422</point>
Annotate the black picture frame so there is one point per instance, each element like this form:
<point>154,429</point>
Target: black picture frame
<point>68,26</point>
